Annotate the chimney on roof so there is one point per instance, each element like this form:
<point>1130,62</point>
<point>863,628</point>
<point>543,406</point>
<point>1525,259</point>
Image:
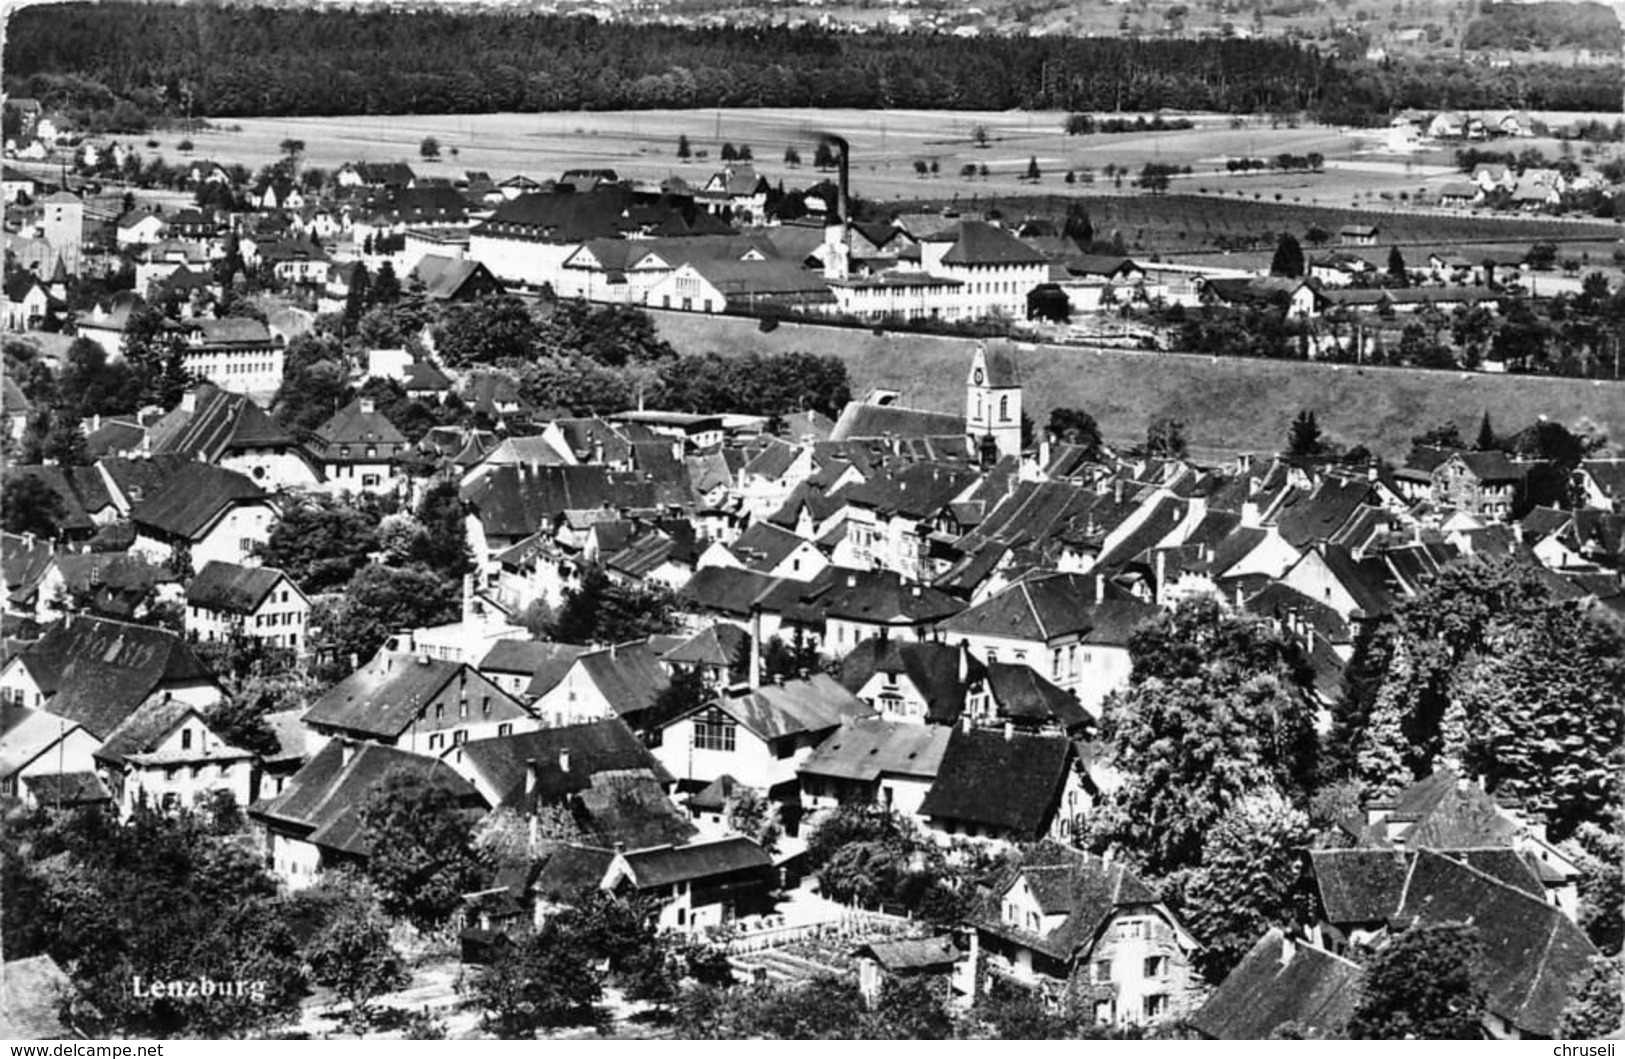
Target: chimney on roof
<point>1009,731</point>
<point>189,401</point>
<point>1117,491</point>
<point>423,658</point>
<point>964,661</point>
<point>347,749</point>
<point>564,759</point>
<point>368,406</point>
<point>851,580</point>
<point>965,722</point>
<point>1289,949</point>
<point>530,776</point>
<point>1043,452</point>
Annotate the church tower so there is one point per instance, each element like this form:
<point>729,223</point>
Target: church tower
<point>993,399</point>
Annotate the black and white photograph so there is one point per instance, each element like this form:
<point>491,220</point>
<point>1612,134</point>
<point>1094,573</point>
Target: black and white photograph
<point>620,520</point>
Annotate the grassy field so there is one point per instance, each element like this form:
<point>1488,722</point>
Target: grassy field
<point>885,147</point>
<point>1228,405</point>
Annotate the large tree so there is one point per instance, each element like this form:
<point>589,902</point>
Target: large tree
<point>1217,707</point>
<point>1251,878</point>
<point>1288,259</point>
<point>320,542</point>
<point>353,957</point>
<point>422,853</point>
<point>1485,669</point>
<point>1425,984</point>
<point>601,610</point>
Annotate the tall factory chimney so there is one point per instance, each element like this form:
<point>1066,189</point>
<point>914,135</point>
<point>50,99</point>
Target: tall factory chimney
<point>837,230</point>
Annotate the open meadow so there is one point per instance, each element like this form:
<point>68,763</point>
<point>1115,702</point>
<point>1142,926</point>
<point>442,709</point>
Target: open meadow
<point>886,145</point>
<point>1229,405</point>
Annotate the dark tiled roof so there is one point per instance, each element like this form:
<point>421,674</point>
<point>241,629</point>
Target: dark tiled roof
<point>563,217</point>
<point>795,707</point>
<point>192,498</point>
<point>629,675</point>
<point>96,672</point>
<point>1534,954</point>
<point>1051,605</point>
<point>1023,696</point>
<point>1009,783</point>
<point>630,811</point>
<point>664,866</point>
<point>354,425</point>
<point>719,645</point>
<point>878,597</point>
<point>1359,885</point>
<point>387,694</point>
<point>869,748</point>
<point>933,669</point>
<point>980,243</point>
<point>1280,982</point>
<point>861,421</point>
<point>325,799</point>
<point>567,870</point>
<point>592,748</point>
<point>1319,514</point>
<point>516,501</point>
<point>66,789</point>
<point>1087,889</point>
<point>913,954</point>
<point>236,589</point>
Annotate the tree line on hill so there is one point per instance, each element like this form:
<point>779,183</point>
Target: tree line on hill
<point>1541,26</point>
<point>115,66</point>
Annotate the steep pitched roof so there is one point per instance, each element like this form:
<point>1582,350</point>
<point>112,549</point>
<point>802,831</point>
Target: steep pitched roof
<point>933,669</point>
<point>545,662</point>
<point>1025,697</point>
<point>588,749</point>
<point>1280,982</point>
<point>868,748</point>
<point>980,243</point>
<point>386,694</point>
<point>812,705</point>
<point>192,498</point>
<point>629,675</point>
<point>1534,954</point>
<point>325,800</point>
<point>358,424</point>
<point>1088,889</point>
<point>236,589</point>
<point>96,671</point>
<point>720,644</point>
<point>860,421</point>
<point>516,501</point>
<point>877,597</point>
<point>1050,605</point>
<point>1359,885</point>
<point>1011,783</point>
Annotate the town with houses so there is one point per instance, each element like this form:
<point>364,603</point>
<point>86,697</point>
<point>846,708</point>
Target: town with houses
<point>946,721</point>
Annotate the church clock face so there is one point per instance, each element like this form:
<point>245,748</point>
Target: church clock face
<point>977,376</point>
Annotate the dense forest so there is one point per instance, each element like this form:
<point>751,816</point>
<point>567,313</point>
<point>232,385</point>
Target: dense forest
<point>127,64</point>
<point>1549,24</point>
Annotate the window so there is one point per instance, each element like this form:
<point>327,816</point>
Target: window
<point>1131,928</point>
<point>1105,1012</point>
<point>436,741</point>
<point>715,730</point>
<point>504,729</point>
<point>485,706</point>
<point>1103,971</point>
<point>186,739</point>
<point>1156,1005</point>
<point>439,711</point>
<point>1156,967</point>
<point>1032,922</point>
<point>459,737</point>
<point>1004,409</point>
